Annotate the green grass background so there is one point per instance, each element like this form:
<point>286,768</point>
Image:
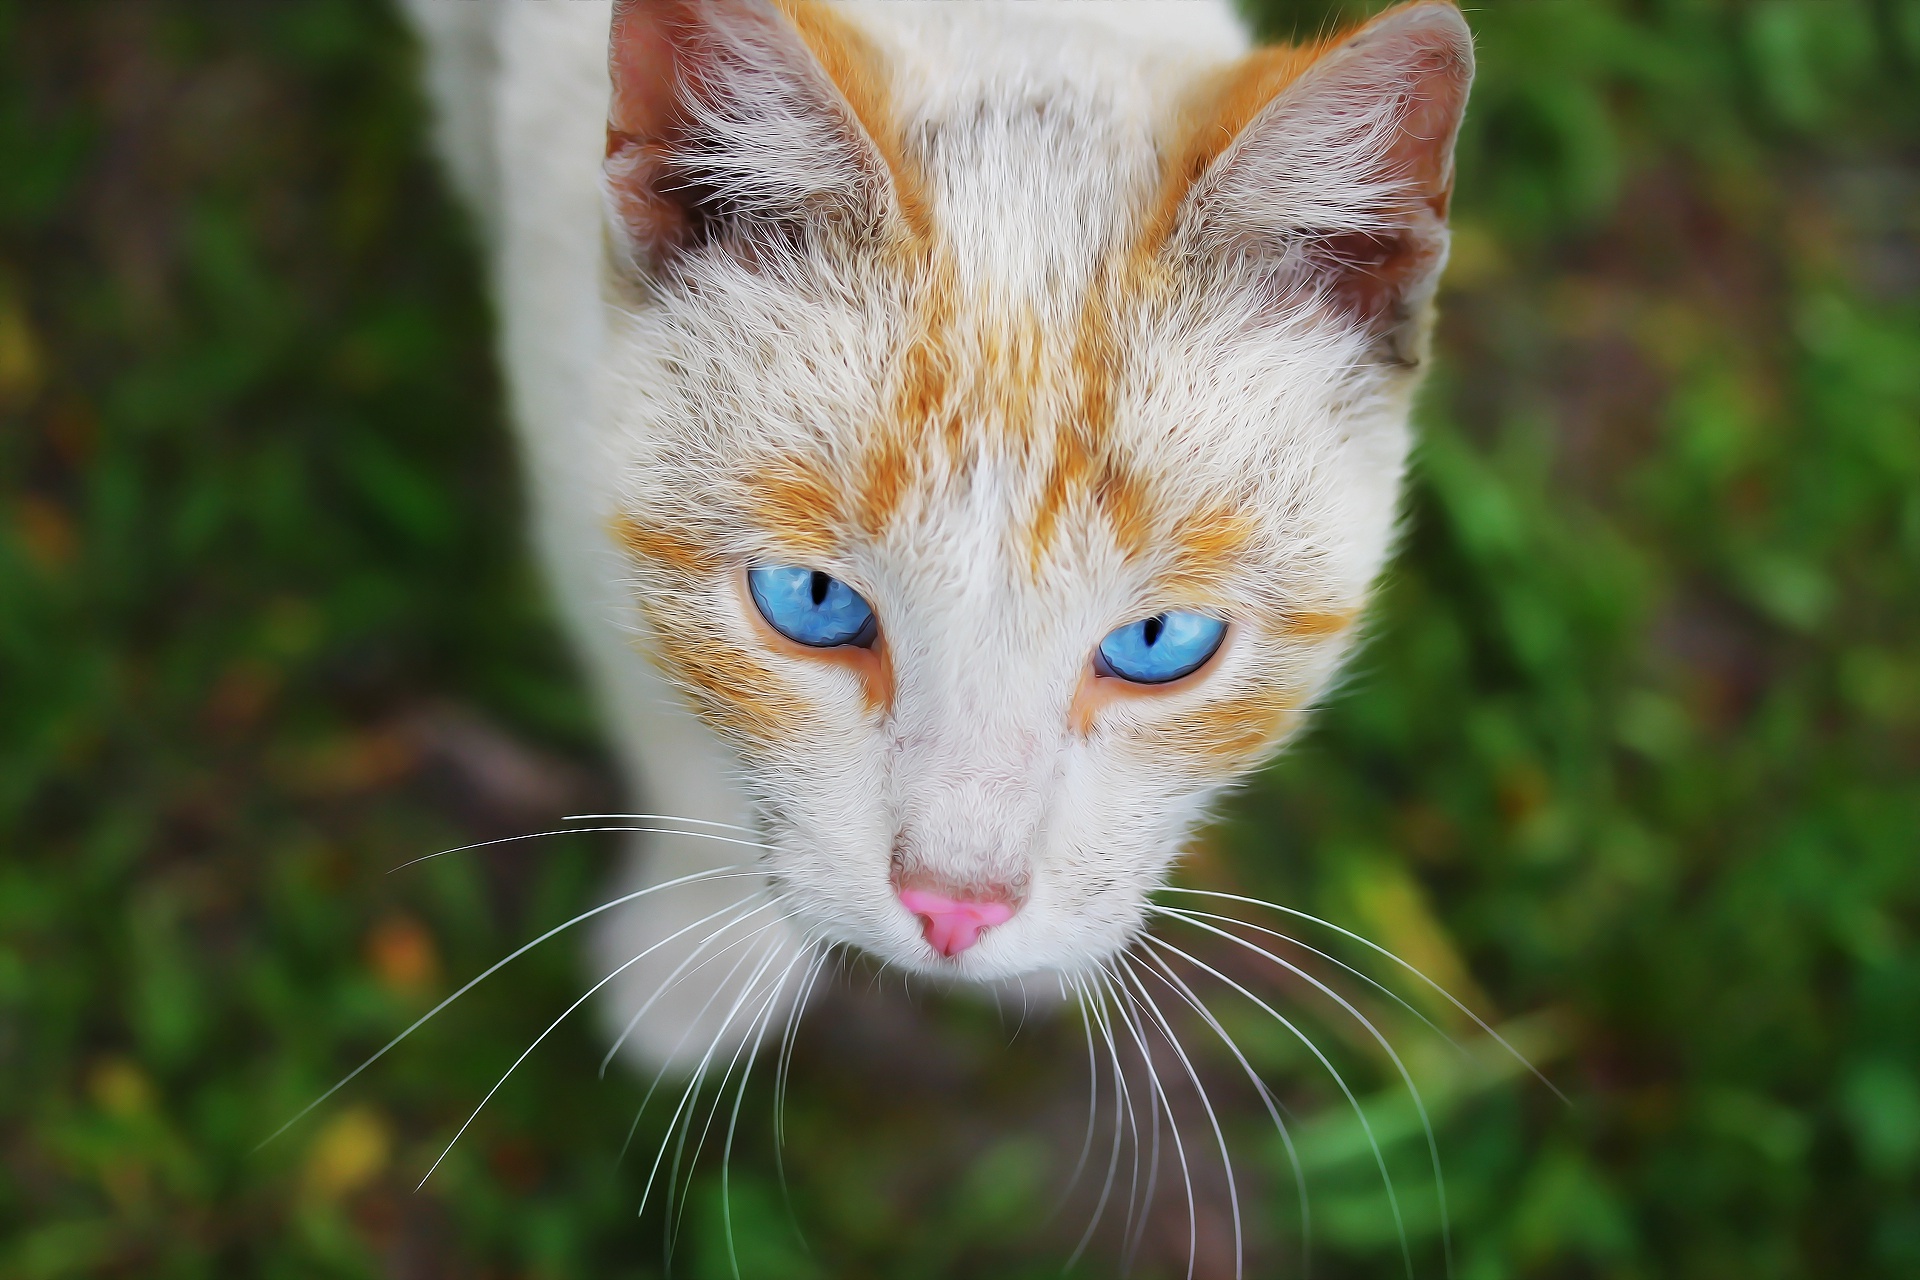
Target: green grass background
<point>1633,756</point>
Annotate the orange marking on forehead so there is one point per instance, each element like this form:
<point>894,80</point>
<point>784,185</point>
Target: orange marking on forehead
<point>859,71</point>
<point>920,406</point>
<point>797,502</point>
<point>1127,503</point>
<point>1080,465</point>
<point>1206,547</point>
<point>886,475</point>
<point>659,545</point>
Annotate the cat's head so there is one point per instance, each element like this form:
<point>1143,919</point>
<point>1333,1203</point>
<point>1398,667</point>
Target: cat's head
<point>1015,431</point>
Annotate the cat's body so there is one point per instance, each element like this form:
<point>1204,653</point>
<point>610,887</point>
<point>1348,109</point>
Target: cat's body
<point>1025,321</point>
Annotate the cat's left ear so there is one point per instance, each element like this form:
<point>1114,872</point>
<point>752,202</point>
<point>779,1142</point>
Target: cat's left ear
<point>1332,188</point>
<point>742,122</point>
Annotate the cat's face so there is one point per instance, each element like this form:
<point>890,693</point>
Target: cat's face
<point>1018,369</point>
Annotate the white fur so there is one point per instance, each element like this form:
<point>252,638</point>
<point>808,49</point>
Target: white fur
<point>1039,127</point>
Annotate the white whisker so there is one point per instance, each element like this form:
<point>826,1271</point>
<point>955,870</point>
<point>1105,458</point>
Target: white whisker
<point>740,1094</point>
<point>1406,1077</point>
<point>666,984</point>
<point>568,1012</point>
<point>1093,1002</point>
<point>577,831</point>
<point>657,817</point>
<point>1272,1104</point>
<point>717,873</point>
<point>1137,1030</point>
<point>1206,1104</point>
<point>682,1115</point>
<point>1371,945</point>
<point>1185,915</point>
<point>678,1216</point>
<point>674,979</point>
<point>782,1074</point>
<point>1366,1126</point>
<point>1093,1096</point>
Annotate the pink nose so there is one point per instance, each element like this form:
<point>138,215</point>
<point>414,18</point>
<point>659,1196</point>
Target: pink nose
<point>951,925</point>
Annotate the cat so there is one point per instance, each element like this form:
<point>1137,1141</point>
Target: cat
<point>962,438</point>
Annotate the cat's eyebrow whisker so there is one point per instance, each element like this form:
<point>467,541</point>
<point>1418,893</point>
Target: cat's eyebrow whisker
<point>657,817</point>
<point>578,831</point>
<point>1166,974</point>
<point>567,1013</point>
<point>1206,1104</point>
<point>715,873</point>
<point>1371,945</point>
<point>1353,1101</point>
<point>1136,1028</point>
<point>1188,917</point>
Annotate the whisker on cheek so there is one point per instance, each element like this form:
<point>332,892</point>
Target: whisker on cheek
<point>658,817</point>
<point>764,1019</point>
<point>1070,989</point>
<point>688,966</point>
<point>1188,917</point>
<point>682,1116</point>
<point>573,831</point>
<point>716,873</point>
<point>1407,965</point>
<point>1166,974</point>
<point>1353,1101</point>
<point>1220,1139</point>
<point>1136,1029</point>
<point>782,1075</point>
<point>528,1051</point>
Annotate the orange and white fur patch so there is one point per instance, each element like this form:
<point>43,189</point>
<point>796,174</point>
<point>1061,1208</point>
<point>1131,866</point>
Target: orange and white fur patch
<point>1024,321</point>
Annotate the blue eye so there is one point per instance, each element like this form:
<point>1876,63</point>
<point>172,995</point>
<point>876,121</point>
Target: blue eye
<point>811,607</point>
<point>1161,648</point>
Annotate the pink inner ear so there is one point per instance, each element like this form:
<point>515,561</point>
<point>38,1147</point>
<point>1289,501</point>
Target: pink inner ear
<point>645,71</point>
<point>951,925</point>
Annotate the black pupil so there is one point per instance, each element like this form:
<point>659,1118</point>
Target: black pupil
<point>1153,627</point>
<point>818,588</point>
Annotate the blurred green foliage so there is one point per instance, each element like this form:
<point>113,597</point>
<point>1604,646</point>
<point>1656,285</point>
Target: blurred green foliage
<point>1633,754</point>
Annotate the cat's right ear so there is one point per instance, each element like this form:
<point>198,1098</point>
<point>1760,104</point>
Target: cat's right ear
<point>742,123</point>
<point>1328,170</point>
